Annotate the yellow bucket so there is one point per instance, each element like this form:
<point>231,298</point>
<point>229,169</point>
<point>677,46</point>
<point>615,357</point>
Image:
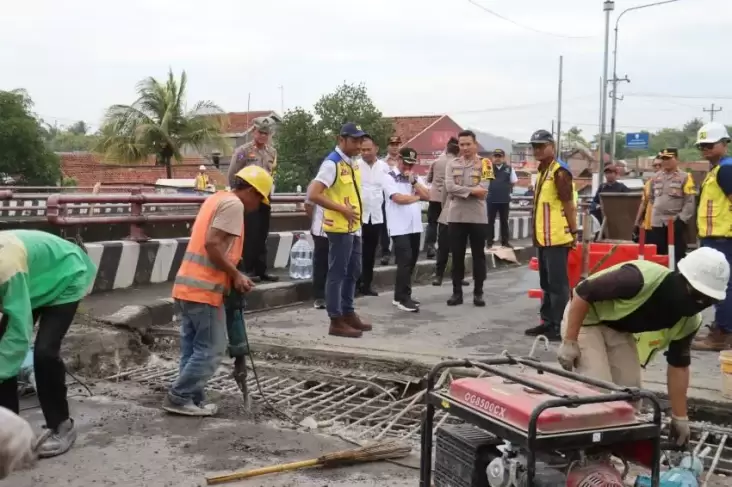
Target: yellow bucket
<point>725,365</point>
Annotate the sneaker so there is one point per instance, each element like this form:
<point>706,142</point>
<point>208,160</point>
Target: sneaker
<point>415,300</point>
<point>60,440</point>
<point>455,299</point>
<point>319,304</point>
<point>189,409</point>
<point>339,328</point>
<point>407,305</point>
<point>715,341</point>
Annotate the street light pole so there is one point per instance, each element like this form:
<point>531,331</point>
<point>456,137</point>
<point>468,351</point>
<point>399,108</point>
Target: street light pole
<point>608,6</point>
<point>615,71</point>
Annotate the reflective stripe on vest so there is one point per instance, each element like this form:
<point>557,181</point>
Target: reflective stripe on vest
<point>344,191</point>
<point>714,217</point>
<point>198,279</point>
<point>651,342</point>
<point>551,227</point>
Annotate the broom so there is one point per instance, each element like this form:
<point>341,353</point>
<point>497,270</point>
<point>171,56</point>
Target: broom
<point>385,450</point>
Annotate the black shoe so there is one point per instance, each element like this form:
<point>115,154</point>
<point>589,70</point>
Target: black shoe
<point>553,334</point>
<point>319,304</point>
<point>256,279</point>
<point>507,245</point>
<point>538,330</point>
<point>368,291</point>
<point>478,300</point>
<point>437,281</point>
<point>455,299</point>
<point>269,278</point>
<point>431,252</point>
<point>385,260</point>
<point>407,305</point>
<point>465,282</point>
<point>415,301</point>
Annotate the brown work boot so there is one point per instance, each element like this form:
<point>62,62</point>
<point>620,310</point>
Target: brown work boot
<point>339,328</point>
<point>354,321</point>
<point>715,341</point>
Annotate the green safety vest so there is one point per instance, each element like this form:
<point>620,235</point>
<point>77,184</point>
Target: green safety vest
<point>650,342</point>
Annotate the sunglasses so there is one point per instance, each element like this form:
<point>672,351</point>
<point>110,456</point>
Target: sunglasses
<point>705,146</point>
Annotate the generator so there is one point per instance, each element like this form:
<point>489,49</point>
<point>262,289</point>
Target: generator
<point>528,424</point>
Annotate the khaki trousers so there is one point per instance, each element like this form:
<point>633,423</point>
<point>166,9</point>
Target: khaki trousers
<point>607,354</point>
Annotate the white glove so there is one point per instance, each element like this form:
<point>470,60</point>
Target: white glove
<point>568,354</point>
<point>16,443</point>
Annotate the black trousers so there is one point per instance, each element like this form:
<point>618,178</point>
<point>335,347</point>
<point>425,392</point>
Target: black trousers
<point>554,282</point>
<point>385,242</point>
<point>406,253</point>
<point>460,235</point>
<point>500,209</point>
<point>320,266</point>
<point>48,368</point>
<point>443,249</point>
<point>256,228</point>
<point>433,213</point>
<point>370,237</point>
<point>659,236</point>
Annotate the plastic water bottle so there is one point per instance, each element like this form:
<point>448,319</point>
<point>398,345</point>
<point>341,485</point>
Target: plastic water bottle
<point>301,259</point>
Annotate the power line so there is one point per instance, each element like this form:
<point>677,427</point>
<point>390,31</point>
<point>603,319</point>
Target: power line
<point>688,97</point>
<point>526,27</point>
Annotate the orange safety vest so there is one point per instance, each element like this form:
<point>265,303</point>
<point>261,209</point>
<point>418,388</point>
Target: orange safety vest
<point>198,279</point>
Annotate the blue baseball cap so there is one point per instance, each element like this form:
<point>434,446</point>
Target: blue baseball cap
<point>350,129</point>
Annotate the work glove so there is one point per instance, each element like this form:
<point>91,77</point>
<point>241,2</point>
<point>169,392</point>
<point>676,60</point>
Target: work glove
<point>16,443</point>
<point>568,354</point>
<point>679,432</point>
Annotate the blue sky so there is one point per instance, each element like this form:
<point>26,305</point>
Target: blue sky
<point>416,57</point>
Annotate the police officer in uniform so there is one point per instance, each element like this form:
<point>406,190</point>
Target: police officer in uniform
<point>260,153</point>
<point>672,196</point>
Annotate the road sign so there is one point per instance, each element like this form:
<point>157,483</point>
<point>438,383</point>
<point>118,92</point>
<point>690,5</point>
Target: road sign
<point>638,140</point>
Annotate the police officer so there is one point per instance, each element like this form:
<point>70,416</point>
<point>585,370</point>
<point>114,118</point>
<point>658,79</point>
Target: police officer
<point>260,153</point>
<point>499,197</point>
<point>672,196</point>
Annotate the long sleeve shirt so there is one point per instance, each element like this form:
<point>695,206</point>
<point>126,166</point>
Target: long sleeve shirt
<point>461,176</point>
<point>37,269</point>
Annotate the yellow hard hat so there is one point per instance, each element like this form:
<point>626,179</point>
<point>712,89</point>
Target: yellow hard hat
<point>260,180</point>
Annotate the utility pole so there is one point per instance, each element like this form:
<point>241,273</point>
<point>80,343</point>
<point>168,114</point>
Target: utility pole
<point>559,108</point>
<point>712,111</point>
<point>282,100</point>
<point>608,6</point>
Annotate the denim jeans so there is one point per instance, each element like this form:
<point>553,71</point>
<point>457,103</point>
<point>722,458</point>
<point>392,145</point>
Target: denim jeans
<point>202,347</point>
<point>344,269</point>
<point>554,282</point>
<point>723,310</point>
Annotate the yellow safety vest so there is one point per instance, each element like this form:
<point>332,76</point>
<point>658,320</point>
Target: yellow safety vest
<point>345,190</point>
<point>714,218</point>
<point>551,227</point>
<point>651,342</point>
<point>487,170</point>
<point>647,202</point>
<point>201,182</point>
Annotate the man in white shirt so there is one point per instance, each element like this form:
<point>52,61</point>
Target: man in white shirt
<point>404,194</point>
<point>373,171</point>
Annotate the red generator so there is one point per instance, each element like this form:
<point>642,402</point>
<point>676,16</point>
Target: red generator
<point>528,424</point>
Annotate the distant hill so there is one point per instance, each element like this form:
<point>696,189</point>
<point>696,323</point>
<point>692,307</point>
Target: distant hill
<point>491,142</point>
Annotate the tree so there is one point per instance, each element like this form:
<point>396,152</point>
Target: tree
<point>79,128</point>
<point>301,147</point>
<point>23,155</point>
<point>158,123</point>
<point>351,103</point>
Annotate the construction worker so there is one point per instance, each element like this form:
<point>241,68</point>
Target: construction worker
<point>392,159</point>
<point>202,179</point>
<point>260,153</point>
<point>499,197</point>
<point>643,217</point>
<point>555,232</point>
<point>466,182</point>
<point>43,278</point>
<point>337,189</point>
<point>206,274</point>
<point>621,317</point>
<point>404,195</point>
<point>673,196</point>
<point>714,222</point>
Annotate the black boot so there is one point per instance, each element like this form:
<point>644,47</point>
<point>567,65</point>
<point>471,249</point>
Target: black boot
<point>478,295</point>
<point>437,281</point>
<point>431,252</point>
<point>455,299</point>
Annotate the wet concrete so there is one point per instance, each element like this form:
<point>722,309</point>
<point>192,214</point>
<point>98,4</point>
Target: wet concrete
<point>126,440</point>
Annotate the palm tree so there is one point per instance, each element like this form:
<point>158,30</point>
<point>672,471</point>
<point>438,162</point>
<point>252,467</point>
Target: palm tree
<point>159,124</point>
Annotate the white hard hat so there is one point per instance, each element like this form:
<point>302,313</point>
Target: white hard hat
<point>202,168</point>
<point>712,133</point>
<point>707,271</point>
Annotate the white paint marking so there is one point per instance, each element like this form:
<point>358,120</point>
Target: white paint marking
<point>282,257</point>
<point>125,275</point>
<point>94,250</point>
<point>163,260</point>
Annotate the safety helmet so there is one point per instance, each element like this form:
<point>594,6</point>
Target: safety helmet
<point>707,271</point>
<point>201,167</point>
<point>542,137</point>
<point>712,133</point>
<point>260,180</point>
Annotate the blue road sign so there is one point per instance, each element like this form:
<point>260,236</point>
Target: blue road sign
<point>638,140</point>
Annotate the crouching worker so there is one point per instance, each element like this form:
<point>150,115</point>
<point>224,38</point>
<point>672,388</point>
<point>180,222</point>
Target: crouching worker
<point>619,318</point>
<point>42,279</point>
<point>207,272</point>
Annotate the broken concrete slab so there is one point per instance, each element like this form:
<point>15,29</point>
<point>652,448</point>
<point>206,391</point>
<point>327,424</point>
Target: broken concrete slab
<point>102,351</point>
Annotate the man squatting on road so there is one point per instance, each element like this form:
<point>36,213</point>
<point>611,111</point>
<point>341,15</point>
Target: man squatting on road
<point>207,273</point>
<point>43,278</point>
<point>619,318</point>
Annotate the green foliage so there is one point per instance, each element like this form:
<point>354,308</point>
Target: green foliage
<point>158,123</point>
<point>67,181</point>
<point>305,138</point>
<point>23,155</point>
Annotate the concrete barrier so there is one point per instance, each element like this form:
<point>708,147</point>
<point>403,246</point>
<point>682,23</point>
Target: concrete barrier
<point>122,264</point>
